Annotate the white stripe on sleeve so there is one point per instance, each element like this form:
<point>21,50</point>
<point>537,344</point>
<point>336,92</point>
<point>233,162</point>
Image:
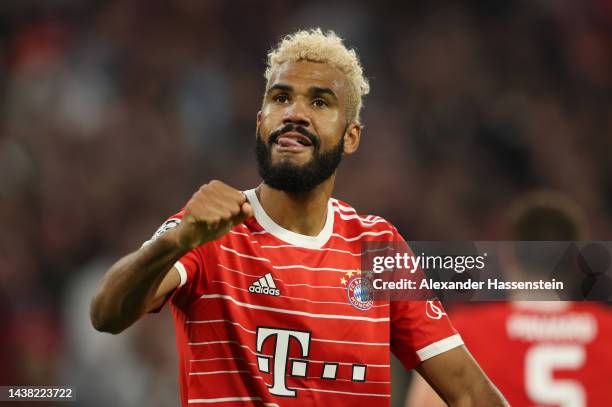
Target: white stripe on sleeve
<point>439,347</point>
<point>182,272</point>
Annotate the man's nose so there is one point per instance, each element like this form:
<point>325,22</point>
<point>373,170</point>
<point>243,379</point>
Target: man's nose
<point>296,114</point>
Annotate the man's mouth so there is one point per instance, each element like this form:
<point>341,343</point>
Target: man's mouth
<point>293,140</point>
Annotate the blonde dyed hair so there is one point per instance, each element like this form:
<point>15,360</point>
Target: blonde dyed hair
<point>316,46</point>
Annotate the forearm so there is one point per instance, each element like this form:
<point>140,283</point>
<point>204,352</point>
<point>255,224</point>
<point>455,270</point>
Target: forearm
<point>483,393</point>
<point>459,381</point>
<point>130,284</point>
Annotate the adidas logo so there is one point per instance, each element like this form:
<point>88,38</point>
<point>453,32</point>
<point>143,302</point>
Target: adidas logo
<point>265,285</point>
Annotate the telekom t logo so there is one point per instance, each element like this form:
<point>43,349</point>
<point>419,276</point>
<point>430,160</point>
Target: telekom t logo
<point>281,356</point>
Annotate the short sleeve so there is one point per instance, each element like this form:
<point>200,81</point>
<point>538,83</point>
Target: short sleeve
<point>420,329</point>
<point>188,266</point>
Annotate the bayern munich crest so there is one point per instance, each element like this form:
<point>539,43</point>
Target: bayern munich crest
<point>358,290</point>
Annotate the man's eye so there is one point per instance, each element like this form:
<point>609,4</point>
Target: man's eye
<point>319,102</point>
<point>281,98</point>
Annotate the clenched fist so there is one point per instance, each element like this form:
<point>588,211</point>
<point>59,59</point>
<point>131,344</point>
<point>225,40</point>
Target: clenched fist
<point>211,213</point>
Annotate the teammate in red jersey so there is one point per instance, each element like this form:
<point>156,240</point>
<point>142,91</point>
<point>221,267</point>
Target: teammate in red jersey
<point>548,353</point>
<point>264,285</point>
<point>539,353</point>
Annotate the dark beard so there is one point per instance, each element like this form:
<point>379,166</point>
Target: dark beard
<point>286,176</point>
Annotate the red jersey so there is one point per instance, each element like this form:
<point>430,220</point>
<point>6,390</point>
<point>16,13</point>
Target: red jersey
<point>547,354</point>
<point>267,316</point>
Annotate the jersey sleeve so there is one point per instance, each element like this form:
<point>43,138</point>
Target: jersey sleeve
<point>420,329</point>
<point>188,266</point>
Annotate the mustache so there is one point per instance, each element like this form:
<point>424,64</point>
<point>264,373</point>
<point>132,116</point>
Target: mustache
<point>314,139</point>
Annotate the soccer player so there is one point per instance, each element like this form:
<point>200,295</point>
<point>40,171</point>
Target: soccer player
<point>539,353</point>
<point>264,285</point>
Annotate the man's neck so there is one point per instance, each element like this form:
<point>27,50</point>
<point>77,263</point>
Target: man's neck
<point>304,213</point>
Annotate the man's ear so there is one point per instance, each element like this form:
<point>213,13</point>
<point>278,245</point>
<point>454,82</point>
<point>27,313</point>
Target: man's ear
<point>352,136</point>
<point>257,123</point>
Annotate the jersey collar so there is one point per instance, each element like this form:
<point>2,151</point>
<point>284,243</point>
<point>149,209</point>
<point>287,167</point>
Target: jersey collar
<point>296,239</point>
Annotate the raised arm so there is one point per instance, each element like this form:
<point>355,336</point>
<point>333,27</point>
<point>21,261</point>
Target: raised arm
<point>139,281</point>
<point>459,381</point>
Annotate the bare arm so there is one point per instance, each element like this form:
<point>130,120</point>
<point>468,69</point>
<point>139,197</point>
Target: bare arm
<point>136,284</point>
<point>139,282</point>
<point>420,394</point>
<point>459,381</point>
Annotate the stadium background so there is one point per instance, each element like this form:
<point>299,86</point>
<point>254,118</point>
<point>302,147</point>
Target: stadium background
<point>114,112</point>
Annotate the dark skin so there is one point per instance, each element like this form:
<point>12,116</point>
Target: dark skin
<point>312,95</point>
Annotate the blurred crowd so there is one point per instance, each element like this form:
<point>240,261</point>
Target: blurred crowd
<point>114,112</point>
